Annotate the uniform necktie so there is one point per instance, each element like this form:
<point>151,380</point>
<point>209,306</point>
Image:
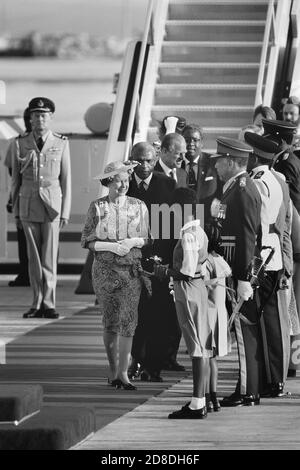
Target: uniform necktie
<point>192,176</point>
<point>171,174</point>
<point>40,143</point>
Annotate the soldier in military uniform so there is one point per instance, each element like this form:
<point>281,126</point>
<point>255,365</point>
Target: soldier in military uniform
<point>41,198</point>
<point>275,233</point>
<point>284,133</point>
<point>239,215</point>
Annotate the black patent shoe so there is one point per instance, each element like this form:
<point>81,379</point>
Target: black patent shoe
<point>33,313</point>
<point>232,400</point>
<point>187,413</point>
<point>117,383</point>
<point>134,370</point>
<point>273,390</point>
<point>50,313</point>
<point>240,400</point>
<point>251,400</point>
<point>277,390</point>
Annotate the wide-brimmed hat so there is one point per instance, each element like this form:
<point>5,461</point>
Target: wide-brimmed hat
<point>115,168</point>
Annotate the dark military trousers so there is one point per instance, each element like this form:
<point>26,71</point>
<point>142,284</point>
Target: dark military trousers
<point>275,328</point>
<point>250,351</point>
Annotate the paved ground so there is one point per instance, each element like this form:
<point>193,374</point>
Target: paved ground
<point>67,358</point>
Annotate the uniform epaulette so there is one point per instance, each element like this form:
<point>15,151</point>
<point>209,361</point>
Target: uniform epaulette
<point>60,136</point>
<point>20,136</point>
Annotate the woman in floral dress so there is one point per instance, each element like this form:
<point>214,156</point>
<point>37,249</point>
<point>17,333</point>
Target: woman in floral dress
<point>116,228</point>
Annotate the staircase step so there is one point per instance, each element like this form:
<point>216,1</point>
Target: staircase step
<point>204,51</point>
<point>210,116</point>
<point>49,431</point>
<point>198,30</point>
<point>223,10</point>
<point>189,94</point>
<point>205,72</point>
<point>18,402</point>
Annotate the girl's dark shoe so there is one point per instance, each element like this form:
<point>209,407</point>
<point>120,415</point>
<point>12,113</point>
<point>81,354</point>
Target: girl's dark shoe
<point>187,413</point>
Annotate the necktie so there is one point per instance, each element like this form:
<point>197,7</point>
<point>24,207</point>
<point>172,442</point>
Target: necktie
<point>40,143</point>
<point>192,176</point>
<point>142,187</point>
<point>171,174</point>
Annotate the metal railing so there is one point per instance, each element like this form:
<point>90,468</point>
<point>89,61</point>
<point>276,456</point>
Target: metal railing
<point>275,35</point>
<point>270,22</point>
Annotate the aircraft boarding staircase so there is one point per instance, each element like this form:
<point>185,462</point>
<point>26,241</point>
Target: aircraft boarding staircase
<point>209,64</point>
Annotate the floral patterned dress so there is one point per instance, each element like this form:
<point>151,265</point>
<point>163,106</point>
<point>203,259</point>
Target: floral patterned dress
<point>117,280</point>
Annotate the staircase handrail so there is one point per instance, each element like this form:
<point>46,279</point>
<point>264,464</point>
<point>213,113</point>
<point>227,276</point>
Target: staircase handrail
<point>278,22</point>
<point>159,16</point>
<point>270,21</point>
<point>134,106</point>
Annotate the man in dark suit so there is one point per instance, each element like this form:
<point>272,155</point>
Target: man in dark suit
<point>239,214</point>
<point>173,149</point>
<point>157,336</point>
<point>202,175</point>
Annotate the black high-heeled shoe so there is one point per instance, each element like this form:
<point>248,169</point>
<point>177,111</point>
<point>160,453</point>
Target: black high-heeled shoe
<point>215,402</point>
<point>117,383</point>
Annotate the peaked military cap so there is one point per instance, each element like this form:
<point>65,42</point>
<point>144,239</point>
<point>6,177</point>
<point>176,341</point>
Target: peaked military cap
<point>279,128</point>
<point>41,104</point>
<point>262,147</point>
<point>231,148</point>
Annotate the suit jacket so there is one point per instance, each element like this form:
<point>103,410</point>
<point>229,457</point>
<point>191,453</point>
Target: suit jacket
<point>41,179</point>
<point>159,191</point>
<point>181,175</point>
<point>240,218</point>
<point>208,184</point>
<point>207,178</point>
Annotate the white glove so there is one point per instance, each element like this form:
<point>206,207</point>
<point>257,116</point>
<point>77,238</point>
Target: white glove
<point>244,290</point>
<point>132,242</point>
<point>170,124</point>
<point>113,247</point>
